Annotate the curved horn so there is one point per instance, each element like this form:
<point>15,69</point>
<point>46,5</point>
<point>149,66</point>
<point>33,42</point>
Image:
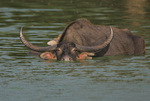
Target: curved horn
<point>33,47</point>
<point>97,47</point>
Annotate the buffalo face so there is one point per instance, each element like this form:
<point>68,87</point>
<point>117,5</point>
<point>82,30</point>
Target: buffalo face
<point>66,52</point>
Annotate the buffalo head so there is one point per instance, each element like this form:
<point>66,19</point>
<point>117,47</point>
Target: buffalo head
<point>67,51</point>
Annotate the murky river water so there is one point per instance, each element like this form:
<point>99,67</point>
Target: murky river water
<point>29,78</point>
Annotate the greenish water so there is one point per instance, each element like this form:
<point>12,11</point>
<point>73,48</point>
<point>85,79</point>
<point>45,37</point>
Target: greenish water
<point>29,78</point>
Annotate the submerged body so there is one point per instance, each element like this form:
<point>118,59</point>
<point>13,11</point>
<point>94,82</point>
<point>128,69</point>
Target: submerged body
<point>83,40</point>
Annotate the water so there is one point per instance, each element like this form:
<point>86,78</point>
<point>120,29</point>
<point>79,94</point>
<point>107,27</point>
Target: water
<point>29,78</point>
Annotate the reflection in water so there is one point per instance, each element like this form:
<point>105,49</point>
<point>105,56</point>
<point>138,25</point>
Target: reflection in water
<point>102,69</point>
<point>136,11</point>
<point>29,78</point>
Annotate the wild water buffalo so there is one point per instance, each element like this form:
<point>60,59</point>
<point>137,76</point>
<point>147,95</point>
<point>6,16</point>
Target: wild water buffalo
<point>83,40</point>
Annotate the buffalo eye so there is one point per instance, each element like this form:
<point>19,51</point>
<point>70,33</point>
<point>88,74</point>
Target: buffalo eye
<point>58,50</point>
<point>74,50</point>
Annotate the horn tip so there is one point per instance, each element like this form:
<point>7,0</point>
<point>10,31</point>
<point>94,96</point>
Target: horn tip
<point>21,34</point>
<point>21,27</point>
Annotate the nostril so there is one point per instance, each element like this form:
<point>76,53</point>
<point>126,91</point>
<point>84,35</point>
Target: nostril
<point>66,58</point>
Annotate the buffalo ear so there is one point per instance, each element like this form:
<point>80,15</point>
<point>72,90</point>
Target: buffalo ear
<point>52,42</point>
<point>85,55</point>
<point>47,56</point>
